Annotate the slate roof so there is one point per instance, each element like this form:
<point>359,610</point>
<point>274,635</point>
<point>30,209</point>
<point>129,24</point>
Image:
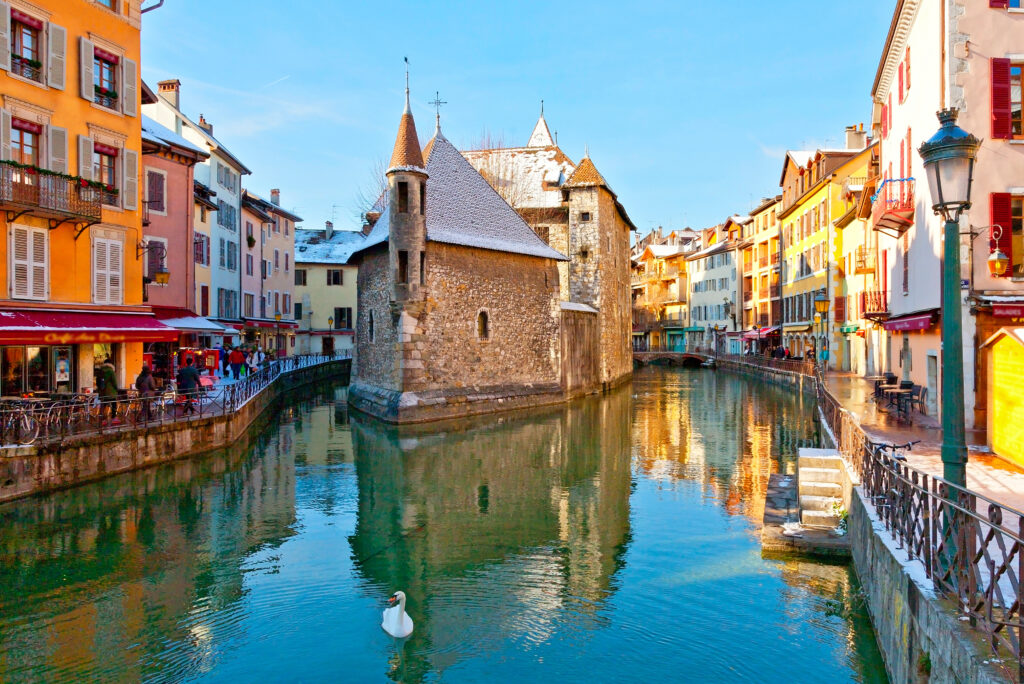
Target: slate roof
<point>313,247</point>
<point>537,172</point>
<point>463,209</point>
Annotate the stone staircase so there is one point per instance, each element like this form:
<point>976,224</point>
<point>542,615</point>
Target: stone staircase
<point>820,484</point>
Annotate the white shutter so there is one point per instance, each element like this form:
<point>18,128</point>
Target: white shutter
<point>20,269</point>
<point>99,271</point>
<point>129,87</point>
<point>5,36</point>
<point>38,264</point>
<point>114,287</point>
<point>58,149</point>
<point>85,157</point>
<point>57,45</point>
<point>130,174</point>
<point>86,56</point>
<point>5,134</point>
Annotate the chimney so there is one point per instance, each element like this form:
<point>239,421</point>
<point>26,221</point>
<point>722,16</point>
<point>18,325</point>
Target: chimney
<point>328,228</point>
<point>856,138</point>
<point>205,125</point>
<point>370,220</point>
<point>275,197</point>
<point>170,90</point>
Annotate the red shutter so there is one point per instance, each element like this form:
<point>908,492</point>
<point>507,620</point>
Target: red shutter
<point>906,60</point>
<point>1001,128</point>
<point>1002,217</point>
<point>885,121</point>
<point>999,4</point>
<point>901,82</point>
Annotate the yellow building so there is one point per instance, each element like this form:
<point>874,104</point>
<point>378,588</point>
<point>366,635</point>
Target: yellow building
<point>762,301</point>
<point>659,289</point>
<point>812,188</point>
<point>1005,412</point>
<point>70,140</point>
<point>204,206</point>
<point>325,289</point>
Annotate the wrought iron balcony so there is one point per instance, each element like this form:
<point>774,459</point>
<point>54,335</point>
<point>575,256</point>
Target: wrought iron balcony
<point>893,206</point>
<point>24,191</point>
<point>874,305</point>
<point>27,68</point>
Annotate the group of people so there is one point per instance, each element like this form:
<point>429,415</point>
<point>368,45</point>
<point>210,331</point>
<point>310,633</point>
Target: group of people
<point>776,352</point>
<point>241,361</point>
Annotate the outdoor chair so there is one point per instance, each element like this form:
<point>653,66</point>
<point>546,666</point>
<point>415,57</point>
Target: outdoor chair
<point>920,400</point>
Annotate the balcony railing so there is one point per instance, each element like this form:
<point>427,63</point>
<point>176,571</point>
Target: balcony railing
<point>893,206</point>
<point>27,68</point>
<point>748,295</point>
<point>48,196</point>
<point>775,258</point>
<point>762,262</point>
<point>874,304</point>
<point>863,261</point>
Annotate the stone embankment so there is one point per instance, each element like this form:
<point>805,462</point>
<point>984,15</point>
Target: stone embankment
<point>36,469</point>
<point>922,635</point>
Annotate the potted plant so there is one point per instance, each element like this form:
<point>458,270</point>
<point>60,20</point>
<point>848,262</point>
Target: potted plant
<point>251,241</point>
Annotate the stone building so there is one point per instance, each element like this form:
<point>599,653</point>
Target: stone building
<point>462,308</point>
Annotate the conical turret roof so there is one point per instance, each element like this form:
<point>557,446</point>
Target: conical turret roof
<point>541,136</point>
<point>407,152</point>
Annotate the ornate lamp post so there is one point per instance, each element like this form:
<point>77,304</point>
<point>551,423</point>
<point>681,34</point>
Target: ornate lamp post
<point>948,158</point>
<point>821,304</point>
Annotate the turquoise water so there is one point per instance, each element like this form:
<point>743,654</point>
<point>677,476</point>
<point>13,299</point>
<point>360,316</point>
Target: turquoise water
<point>614,539</point>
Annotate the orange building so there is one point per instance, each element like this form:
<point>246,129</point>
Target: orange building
<point>70,143</point>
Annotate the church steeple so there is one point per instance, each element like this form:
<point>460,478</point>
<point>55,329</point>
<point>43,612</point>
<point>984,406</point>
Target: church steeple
<point>541,136</point>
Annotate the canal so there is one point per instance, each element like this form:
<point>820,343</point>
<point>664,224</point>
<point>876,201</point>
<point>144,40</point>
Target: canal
<point>613,539</point>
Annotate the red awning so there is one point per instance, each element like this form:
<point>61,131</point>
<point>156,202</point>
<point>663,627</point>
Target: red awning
<point>915,322</point>
<point>284,325</point>
<point>1008,310</point>
<point>760,333</point>
<point>80,327</point>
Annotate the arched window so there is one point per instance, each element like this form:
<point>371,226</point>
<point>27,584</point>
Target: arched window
<point>483,328</point>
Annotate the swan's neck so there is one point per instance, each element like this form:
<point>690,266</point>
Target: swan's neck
<point>401,606</point>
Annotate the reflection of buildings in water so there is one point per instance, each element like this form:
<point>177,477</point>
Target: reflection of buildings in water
<point>726,432</point>
<point>102,570</point>
<point>500,529</point>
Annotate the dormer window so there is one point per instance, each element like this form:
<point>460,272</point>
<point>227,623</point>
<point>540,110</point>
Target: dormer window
<point>403,197</point>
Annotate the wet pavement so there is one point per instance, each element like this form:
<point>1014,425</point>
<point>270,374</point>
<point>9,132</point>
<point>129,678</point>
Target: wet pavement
<point>987,474</point>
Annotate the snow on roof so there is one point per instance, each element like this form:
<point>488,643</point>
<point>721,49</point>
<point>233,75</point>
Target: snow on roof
<point>463,209</point>
<point>313,247</point>
<point>541,136</point>
<point>532,176</point>
<point>712,250</point>
<point>800,157</point>
<point>664,251</point>
<point>161,135</point>
<point>575,306</point>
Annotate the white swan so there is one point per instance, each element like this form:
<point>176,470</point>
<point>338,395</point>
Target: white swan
<point>396,621</point>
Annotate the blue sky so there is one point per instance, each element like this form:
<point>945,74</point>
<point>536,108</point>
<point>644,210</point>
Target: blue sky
<point>687,107</point>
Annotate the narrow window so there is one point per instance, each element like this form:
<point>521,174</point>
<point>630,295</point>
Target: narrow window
<point>371,326</point>
<point>423,268</point>
<point>403,197</point>
<point>423,199</point>
<point>585,216</point>
<point>403,266</point>
<point>482,326</point>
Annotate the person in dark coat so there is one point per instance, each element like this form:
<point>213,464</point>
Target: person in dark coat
<point>106,384</point>
<point>188,384</point>
<point>146,386</point>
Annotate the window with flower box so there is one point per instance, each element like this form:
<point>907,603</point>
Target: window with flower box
<point>104,74</point>
<point>26,59</point>
<point>104,170</point>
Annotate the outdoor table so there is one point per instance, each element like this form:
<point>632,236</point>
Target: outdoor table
<point>883,390</point>
<point>903,399</point>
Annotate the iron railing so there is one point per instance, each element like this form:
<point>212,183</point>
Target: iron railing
<point>968,545</point>
<point>801,366</point>
<point>37,421</point>
<point>46,194</point>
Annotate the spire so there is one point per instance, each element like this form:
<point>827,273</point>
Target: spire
<point>407,145</point>
<point>437,107</point>
<point>541,136</point>
<point>586,151</point>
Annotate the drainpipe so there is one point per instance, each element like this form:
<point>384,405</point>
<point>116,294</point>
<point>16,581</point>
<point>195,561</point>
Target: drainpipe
<point>159,4</point>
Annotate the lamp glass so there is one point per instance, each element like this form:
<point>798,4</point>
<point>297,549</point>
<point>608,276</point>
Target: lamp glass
<point>162,276</point>
<point>330,321</point>
<point>277,315</point>
<point>949,181</point>
<point>821,303</point>
<point>997,262</point>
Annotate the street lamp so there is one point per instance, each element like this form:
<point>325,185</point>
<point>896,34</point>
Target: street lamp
<point>948,158</point>
<point>277,332</point>
<point>821,304</point>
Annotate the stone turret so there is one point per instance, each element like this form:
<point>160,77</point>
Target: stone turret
<point>407,204</point>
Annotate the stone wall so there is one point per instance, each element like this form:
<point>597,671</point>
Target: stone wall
<point>374,360</point>
<point>31,470</point>
<point>615,298</point>
<point>919,634</point>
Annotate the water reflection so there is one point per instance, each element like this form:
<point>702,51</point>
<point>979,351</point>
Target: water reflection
<point>612,538</point>
<point>497,531</point>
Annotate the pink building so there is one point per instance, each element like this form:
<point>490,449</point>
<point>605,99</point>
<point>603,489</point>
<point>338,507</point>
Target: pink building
<point>967,54</point>
<point>166,247</point>
<point>276,324</point>
<point>254,222</point>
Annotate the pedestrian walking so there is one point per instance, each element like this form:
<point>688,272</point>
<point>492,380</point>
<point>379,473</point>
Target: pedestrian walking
<point>235,359</point>
<point>188,384</point>
<point>106,384</point>
<point>251,364</point>
<point>146,386</point>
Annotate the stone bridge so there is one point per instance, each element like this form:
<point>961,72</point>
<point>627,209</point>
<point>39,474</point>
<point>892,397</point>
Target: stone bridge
<point>674,358</point>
